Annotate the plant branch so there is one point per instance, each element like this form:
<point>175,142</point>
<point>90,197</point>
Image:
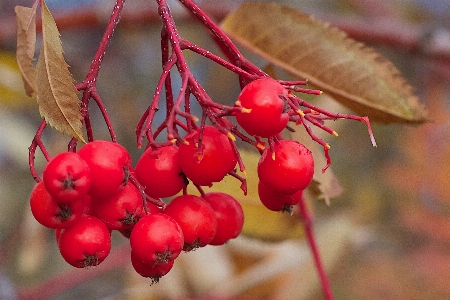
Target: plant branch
<point>307,224</point>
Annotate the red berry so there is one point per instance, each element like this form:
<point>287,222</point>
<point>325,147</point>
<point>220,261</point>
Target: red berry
<point>67,177</point>
<point>85,244</point>
<point>122,210</point>
<point>48,212</point>
<point>276,201</point>
<point>210,163</point>
<point>155,272</point>
<point>196,218</point>
<point>291,170</point>
<point>109,163</point>
<point>229,215</point>
<point>156,239</point>
<point>266,117</point>
<point>159,172</point>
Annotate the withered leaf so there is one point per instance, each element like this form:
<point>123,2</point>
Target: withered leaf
<point>26,43</point>
<point>56,94</point>
<point>351,73</point>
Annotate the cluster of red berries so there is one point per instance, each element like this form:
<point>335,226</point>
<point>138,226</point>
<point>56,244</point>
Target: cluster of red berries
<point>85,195</point>
<point>286,168</point>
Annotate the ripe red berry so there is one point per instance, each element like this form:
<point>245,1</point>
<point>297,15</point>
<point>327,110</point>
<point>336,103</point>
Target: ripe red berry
<point>86,243</point>
<point>155,272</point>
<point>291,170</point>
<point>122,210</point>
<point>266,116</point>
<point>67,177</point>
<point>196,218</point>
<point>109,163</point>
<point>276,201</point>
<point>229,215</point>
<point>210,163</point>
<point>159,172</point>
<point>52,214</point>
<point>156,239</point>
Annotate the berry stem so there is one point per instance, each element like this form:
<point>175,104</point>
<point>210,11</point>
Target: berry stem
<point>37,142</point>
<point>89,84</point>
<point>307,224</point>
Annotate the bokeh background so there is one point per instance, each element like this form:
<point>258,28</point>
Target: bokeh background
<point>386,237</point>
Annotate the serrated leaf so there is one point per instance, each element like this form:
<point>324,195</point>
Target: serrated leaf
<point>56,94</point>
<point>351,73</point>
<point>26,44</point>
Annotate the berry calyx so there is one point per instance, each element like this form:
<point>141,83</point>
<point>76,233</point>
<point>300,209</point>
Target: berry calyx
<point>154,272</point>
<point>276,201</point>
<point>52,214</point>
<point>87,243</point>
<point>122,211</point>
<point>67,177</point>
<point>156,239</point>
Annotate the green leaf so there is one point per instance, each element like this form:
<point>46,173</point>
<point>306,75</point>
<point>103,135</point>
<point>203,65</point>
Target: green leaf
<point>350,72</point>
<point>56,94</point>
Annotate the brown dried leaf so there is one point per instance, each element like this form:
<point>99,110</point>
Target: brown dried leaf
<point>26,43</point>
<point>353,74</point>
<point>56,93</point>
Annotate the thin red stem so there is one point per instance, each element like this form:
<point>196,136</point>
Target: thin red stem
<point>307,224</point>
<point>92,75</point>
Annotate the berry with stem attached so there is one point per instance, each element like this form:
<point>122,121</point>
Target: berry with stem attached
<point>159,172</point>
<point>276,201</point>
<point>156,239</point>
<point>288,169</point>
<point>229,215</point>
<point>263,112</point>
<point>121,211</point>
<point>67,177</point>
<point>51,213</point>
<point>207,156</point>
<point>109,163</point>
<point>196,218</point>
<point>87,243</point>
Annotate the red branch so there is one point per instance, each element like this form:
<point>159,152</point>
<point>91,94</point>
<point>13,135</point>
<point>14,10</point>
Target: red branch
<point>306,217</point>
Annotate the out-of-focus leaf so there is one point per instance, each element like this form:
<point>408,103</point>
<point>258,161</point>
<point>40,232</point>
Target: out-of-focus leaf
<point>11,83</point>
<point>260,222</point>
<point>26,43</point>
<point>56,93</point>
<point>353,74</point>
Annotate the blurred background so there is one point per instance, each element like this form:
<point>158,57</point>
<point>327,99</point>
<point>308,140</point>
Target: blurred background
<point>386,237</point>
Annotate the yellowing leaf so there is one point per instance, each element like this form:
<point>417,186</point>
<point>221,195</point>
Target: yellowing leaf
<point>26,43</point>
<point>56,93</point>
<point>353,74</point>
<point>11,83</point>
